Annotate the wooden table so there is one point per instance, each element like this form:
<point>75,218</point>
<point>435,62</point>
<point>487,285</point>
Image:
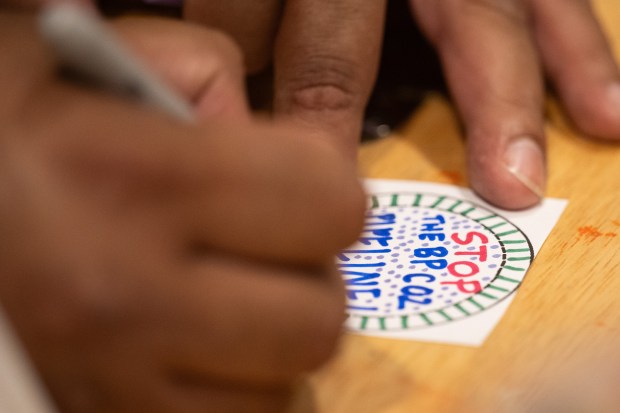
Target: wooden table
<point>557,347</point>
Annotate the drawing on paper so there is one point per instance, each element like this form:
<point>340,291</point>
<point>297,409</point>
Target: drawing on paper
<point>425,260</point>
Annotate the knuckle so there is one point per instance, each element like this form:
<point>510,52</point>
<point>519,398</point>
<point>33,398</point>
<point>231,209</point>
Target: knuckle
<point>324,83</point>
<point>215,52</point>
<point>227,50</point>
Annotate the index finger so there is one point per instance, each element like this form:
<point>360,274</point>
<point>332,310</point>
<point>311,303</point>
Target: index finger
<point>326,61</point>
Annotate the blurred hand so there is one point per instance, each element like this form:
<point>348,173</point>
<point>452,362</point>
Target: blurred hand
<point>154,266</point>
<point>494,54</point>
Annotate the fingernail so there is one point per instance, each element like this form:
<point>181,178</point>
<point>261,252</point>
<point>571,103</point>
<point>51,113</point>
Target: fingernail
<point>525,161</point>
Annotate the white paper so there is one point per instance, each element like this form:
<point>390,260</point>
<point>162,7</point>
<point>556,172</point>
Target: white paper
<point>436,263</point>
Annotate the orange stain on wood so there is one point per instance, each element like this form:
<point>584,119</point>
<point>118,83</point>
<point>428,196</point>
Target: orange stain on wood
<point>455,177</point>
<point>591,233</point>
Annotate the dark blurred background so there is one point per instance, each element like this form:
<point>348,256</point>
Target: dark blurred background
<point>409,69</point>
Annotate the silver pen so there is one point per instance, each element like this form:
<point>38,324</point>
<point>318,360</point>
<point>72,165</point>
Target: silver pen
<point>86,46</point>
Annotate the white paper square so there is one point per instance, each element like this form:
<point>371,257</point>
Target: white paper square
<point>436,263</point>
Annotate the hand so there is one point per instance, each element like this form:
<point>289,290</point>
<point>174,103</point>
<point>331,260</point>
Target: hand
<point>325,56</point>
<point>154,266</point>
<point>493,53</point>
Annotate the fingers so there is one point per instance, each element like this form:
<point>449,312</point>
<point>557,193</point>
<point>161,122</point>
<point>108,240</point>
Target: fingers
<point>326,57</point>
<point>287,319</point>
<point>325,65</point>
<point>215,181</point>
<point>191,69</point>
<point>141,187</point>
<point>580,64</point>
<point>498,90</point>
<point>203,64</point>
<point>493,72</point>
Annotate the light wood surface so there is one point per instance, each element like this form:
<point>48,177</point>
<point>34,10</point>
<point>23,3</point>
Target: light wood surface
<point>557,349</point>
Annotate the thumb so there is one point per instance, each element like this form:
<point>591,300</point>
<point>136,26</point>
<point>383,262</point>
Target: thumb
<point>203,65</point>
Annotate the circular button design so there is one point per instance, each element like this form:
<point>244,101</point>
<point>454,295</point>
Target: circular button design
<point>425,260</point>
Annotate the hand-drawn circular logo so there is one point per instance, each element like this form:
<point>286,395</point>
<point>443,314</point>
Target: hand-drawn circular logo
<point>424,260</point>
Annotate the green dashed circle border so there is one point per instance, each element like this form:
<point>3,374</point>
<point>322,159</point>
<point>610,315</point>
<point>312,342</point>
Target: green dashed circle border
<point>505,282</point>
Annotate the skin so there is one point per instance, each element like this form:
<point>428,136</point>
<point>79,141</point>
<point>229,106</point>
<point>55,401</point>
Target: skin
<point>131,265</point>
<point>495,55</point>
<point>499,92</point>
<point>325,55</point>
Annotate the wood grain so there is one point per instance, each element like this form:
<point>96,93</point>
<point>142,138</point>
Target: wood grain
<point>557,349</point>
